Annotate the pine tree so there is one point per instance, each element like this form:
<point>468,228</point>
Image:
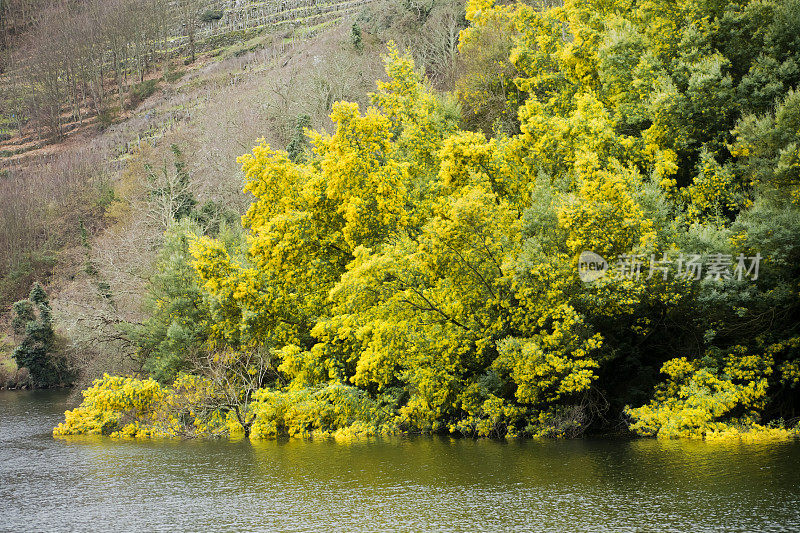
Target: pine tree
<point>33,318</point>
<point>355,37</point>
<point>297,146</point>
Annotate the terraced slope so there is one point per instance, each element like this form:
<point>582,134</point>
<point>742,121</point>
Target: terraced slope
<point>242,26</point>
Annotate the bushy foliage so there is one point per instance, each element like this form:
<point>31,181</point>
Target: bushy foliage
<point>211,15</point>
<point>410,276</point>
<point>355,37</point>
<point>33,321</point>
<point>331,410</point>
<point>120,406</point>
<point>142,91</point>
<point>698,401</point>
<point>179,317</point>
<point>176,332</point>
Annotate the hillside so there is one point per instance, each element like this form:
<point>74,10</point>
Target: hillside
<point>76,211</point>
<point>173,34</point>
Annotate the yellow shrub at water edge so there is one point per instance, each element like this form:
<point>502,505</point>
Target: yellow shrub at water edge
<point>120,406</point>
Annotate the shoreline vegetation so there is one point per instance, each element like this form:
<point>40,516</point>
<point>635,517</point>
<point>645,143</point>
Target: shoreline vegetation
<point>412,264</point>
<point>130,408</point>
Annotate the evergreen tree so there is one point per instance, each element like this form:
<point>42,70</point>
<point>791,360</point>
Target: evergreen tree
<point>33,318</point>
<point>355,37</point>
<point>297,146</point>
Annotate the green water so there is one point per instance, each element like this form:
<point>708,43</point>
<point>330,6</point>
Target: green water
<point>417,484</point>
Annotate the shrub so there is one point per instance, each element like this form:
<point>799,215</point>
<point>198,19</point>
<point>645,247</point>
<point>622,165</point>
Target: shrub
<point>106,117</point>
<point>120,406</point>
<point>211,15</point>
<point>355,37</point>
<point>330,410</point>
<point>142,91</point>
<point>33,319</point>
<point>171,76</point>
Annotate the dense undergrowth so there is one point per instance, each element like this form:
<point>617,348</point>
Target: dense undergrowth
<point>408,275</point>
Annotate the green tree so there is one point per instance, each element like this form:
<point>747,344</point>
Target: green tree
<point>33,320</point>
<point>409,268</point>
<point>173,338</point>
<point>355,37</point>
<point>299,143</point>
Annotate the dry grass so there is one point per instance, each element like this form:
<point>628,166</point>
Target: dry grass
<point>7,365</point>
<point>10,377</point>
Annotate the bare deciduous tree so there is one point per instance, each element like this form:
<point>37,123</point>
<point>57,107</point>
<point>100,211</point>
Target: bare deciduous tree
<point>236,375</point>
<point>170,192</point>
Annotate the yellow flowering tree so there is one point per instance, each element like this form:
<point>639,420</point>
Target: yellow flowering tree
<point>412,276</point>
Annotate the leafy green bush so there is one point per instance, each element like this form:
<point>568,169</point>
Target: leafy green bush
<point>33,321</point>
<point>142,91</point>
<point>355,37</point>
<point>211,15</point>
<point>171,76</point>
<point>106,117</point>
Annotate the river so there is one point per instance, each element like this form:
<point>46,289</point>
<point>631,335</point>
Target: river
<point>414,484</point>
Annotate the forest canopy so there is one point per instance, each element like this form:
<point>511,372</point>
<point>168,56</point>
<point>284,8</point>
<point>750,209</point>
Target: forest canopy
<point>409,274</point>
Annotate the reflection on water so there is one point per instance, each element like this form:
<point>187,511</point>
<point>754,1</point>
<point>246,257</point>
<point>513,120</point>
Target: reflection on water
<point>400,484</point>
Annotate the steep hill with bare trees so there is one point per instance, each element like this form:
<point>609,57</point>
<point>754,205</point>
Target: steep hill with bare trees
<point>83,175</point>
<point>66,64</point>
